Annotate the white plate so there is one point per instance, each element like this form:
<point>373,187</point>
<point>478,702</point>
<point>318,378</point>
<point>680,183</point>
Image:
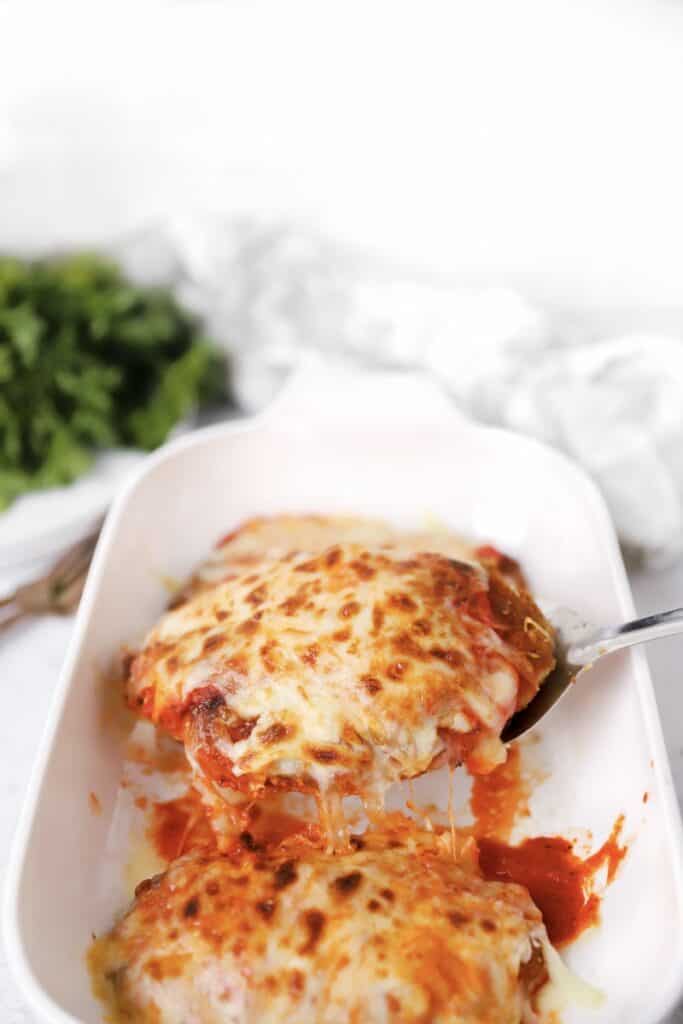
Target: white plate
<point>389,446</point>
<point>40,524</point>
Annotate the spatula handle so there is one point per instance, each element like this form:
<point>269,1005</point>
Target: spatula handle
<point>613,638</point>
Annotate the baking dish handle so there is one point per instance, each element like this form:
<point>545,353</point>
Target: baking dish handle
<point>329,392</point>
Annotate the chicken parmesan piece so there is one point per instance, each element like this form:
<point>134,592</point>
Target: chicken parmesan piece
<point>342,672</point>
<point>393,931</point>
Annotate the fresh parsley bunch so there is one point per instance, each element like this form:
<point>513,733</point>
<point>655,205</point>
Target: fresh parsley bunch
<point>89,360</point>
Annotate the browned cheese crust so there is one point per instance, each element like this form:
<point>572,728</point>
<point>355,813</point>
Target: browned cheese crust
<point>395,931</point>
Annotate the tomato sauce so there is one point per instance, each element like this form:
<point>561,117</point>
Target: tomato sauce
<point>180,826</point>
<point>498,800</point>
<point>560,882</point>
<point>183,826</point>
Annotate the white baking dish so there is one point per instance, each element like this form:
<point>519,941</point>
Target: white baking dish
<point>389,446</point>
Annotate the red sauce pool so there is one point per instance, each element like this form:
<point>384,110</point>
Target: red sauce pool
<point>560,883</point>
<point>182,825</point>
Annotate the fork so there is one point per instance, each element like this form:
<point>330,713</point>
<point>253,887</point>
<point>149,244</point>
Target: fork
<point>58,591</point>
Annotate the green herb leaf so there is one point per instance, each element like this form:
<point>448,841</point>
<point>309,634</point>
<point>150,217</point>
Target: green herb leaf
<point>89,360</point>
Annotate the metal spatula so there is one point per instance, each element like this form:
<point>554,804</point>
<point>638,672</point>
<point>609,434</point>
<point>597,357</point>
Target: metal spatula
<point>578,645</point>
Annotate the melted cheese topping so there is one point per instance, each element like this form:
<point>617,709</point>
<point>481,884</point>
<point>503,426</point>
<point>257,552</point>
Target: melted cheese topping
<point>344,671</point>
<point>267,537</point>
<point>395,931</point>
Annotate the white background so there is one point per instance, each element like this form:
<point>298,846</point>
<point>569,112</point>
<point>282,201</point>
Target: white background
<point>535,142</point>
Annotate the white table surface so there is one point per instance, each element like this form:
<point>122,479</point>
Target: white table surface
<point>31,657</point>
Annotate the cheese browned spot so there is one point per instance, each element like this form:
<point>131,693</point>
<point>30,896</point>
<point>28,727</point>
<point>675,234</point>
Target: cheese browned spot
<point>329,946</point>
<point>279,697</point>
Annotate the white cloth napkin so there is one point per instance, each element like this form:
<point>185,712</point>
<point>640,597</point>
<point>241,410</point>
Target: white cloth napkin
<point>272,291</point>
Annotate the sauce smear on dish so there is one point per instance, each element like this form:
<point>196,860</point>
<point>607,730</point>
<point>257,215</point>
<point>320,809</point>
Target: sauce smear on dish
<point>560,882</point>
<point>500,798</point>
